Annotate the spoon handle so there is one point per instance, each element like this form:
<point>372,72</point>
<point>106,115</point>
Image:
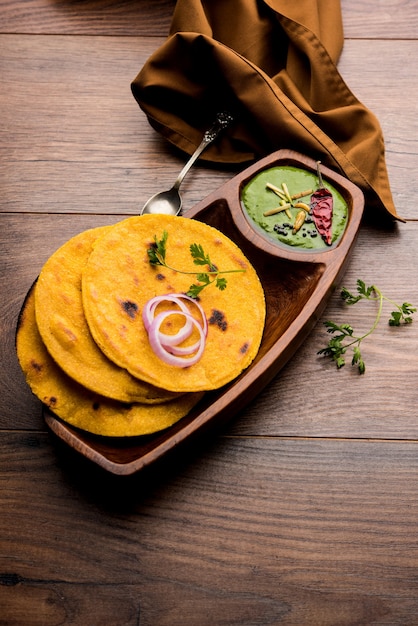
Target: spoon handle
<point>223,119</point>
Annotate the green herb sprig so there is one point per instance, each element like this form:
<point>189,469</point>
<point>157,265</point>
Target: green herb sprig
<point>343,334</point>
<point>157,256</point>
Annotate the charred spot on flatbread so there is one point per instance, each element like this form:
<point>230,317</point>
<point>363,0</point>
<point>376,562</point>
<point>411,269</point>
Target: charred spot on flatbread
<point>131,308</point>
<point>218,319</point>
<point>36,366</point>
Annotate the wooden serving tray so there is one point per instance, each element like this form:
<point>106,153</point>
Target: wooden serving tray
<point>297,284</point>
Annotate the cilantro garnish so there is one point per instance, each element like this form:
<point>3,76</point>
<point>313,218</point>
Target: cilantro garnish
<point>157,256</point>
<point>343,334</point>
<point>156,252</point>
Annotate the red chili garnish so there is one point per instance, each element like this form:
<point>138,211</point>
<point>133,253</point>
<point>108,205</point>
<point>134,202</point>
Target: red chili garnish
<point>321,208</point>
<point>322,204</point>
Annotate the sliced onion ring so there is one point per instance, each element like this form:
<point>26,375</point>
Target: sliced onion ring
<point>156,339</point>
<point>167,347</point>
<point>148,312</point>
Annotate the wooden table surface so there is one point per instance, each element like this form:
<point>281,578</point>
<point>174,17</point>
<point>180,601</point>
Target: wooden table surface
<point>304,511</point>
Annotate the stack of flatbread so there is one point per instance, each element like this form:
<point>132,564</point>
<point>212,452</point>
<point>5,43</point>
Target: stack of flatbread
<point>82,342</point>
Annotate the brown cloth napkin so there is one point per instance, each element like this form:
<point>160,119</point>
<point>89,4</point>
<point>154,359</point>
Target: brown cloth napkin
<point>272,64</point>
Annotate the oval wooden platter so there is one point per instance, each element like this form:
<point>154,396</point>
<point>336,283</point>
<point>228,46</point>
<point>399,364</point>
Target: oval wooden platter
<point>297,285</point>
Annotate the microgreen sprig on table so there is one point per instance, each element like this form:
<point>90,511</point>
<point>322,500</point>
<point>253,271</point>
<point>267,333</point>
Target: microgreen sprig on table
<point>157,256</point>
<point>343,334</point>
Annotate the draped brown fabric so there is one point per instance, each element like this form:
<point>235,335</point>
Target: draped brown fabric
<point>272,64</point>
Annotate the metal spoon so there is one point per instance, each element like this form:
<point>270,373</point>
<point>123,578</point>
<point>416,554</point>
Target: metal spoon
<point>170,202</point>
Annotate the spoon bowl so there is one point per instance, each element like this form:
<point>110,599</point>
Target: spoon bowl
<point>165,202</point>
<point>170,202</point>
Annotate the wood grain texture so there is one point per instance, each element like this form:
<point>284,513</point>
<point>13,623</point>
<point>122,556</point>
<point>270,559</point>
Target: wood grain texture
<point>255,531</point>
<point>387,19</point>
<point>384,77</point>
<point>391,19</point>
<point>74,140</point>
<point>113,18</point>
<point>304,511</point>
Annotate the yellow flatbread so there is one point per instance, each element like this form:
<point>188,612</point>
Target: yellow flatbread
<point>80,407</point>
<point>65,333</point>
<point>118,280</point>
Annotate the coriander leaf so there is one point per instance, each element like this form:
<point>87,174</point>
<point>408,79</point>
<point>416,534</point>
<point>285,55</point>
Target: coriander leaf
<point>203,278</point>
<point>339,343</point>
<point>156,252</point>
<point>340,362</point>
<point>221,283</point>
<point>357,360</point>
<point>395,319</point>
<point>361,288</point>
<point>198,255</point>
<point>194,290</point>
<point>408,308</point>
<point>348,297</point>
<point>157,256</point>
<point>332,327</point>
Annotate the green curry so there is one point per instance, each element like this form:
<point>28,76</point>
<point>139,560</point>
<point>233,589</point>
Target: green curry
<point>258,199</point>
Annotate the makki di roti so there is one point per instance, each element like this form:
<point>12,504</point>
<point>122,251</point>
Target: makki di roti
<point>118,280</point>
<point>63,327</point>
<point>83,408</point>
<point>84,347</point>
